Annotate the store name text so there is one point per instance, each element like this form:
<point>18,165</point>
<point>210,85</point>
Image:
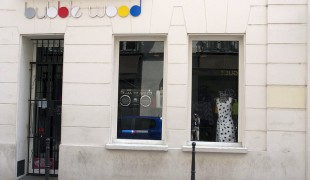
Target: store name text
<point>76,12</point>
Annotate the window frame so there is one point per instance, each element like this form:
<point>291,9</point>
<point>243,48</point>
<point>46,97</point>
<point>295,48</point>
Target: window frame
<point>136,144</point>
<point>204,146</point>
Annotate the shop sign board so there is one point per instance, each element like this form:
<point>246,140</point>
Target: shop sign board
<point>76,11</point>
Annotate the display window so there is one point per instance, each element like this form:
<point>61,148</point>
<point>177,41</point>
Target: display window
<point>215,91</point>
<point>140,90</point>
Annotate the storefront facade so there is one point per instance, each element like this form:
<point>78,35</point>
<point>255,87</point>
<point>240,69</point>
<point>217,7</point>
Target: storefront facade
<point>122,88</point>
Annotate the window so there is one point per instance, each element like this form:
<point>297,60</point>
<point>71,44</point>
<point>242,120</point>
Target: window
<point>215,90</point>
<point>140,89</point>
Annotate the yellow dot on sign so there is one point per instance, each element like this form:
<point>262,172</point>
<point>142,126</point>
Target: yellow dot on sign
<point>123,11</point>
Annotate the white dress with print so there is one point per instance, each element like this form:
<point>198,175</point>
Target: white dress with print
<point>225,131</point>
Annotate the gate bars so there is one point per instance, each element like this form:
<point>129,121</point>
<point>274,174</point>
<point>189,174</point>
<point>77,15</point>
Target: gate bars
<point>45,100</point>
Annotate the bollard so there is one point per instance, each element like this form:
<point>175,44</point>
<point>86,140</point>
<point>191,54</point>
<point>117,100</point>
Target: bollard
<point>193,161</point>
<point>47,159</point>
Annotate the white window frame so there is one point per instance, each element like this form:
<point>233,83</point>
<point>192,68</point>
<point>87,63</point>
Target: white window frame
<point>203,146</point>
<point>136,144</point>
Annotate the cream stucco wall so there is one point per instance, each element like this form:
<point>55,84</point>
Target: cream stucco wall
<point>275,88</point>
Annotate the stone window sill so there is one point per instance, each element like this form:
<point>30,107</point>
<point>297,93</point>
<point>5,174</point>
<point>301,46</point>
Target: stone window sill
<point>216,147</point>
<point>138,145</point>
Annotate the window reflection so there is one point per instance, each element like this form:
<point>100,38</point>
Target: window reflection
<point>140,89</point>
<point>215,78</point>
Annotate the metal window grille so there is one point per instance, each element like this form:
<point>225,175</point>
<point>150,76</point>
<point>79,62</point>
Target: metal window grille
<point>45,107</point>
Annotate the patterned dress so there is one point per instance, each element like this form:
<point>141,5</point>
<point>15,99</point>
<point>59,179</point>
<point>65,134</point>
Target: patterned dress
<point>225,130</point>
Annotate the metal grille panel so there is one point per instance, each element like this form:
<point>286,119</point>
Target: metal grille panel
<point>45,107</point>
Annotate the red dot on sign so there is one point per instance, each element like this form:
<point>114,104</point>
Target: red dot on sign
<point>63,12</point>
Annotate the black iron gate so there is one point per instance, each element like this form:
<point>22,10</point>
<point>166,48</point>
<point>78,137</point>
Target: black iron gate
<point>45,107</point>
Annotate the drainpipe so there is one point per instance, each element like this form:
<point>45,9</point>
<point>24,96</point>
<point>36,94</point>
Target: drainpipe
<point>308,96</point>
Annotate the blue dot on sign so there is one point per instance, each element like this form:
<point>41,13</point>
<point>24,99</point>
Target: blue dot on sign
<point>135,10</point>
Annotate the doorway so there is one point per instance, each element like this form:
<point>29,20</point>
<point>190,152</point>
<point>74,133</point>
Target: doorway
<point>45,104</point>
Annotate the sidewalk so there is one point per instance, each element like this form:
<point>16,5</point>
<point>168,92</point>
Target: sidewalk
<point>37,178</point>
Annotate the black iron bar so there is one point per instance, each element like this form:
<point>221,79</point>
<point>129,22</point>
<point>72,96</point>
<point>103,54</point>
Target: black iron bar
<point>29,114</point>
<point>44,63</point>
<point>47,158</point>
<point>193,162</point>
<point>38,152</point>
<point>54,152</point>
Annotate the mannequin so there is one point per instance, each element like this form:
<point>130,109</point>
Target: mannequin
<point>225,131</point>
<point>195,127</point>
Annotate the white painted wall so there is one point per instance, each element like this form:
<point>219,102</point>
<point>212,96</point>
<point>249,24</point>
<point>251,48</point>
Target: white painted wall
<point>9,58</point>
<point>275,76</point>
<point>22,122</point>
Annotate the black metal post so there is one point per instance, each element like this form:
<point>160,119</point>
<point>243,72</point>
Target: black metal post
<point>193,161</point>
<point>47,159</point>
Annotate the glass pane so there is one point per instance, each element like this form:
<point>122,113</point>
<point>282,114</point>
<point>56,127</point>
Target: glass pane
<point>215,75</point>
<point>140,90</point>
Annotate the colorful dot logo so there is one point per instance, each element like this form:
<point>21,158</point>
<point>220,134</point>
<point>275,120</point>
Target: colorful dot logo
<point>123,11</point>
<point>135,10</point>
<point>64,12</point>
